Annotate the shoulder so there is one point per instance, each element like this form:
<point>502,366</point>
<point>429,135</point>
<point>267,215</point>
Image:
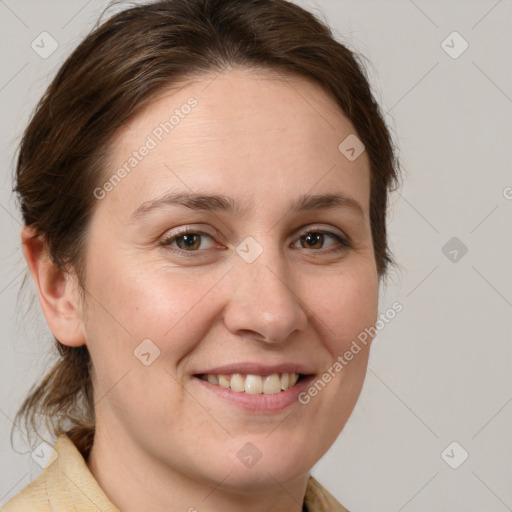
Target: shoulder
<point>318,499</point>
<point>65,484</point>
<point>33,498</point>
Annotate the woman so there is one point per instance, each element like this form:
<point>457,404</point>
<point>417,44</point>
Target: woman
<point>204,189</point>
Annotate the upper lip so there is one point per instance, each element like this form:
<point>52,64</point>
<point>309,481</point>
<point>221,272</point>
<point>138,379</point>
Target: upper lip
<point>256,369</point>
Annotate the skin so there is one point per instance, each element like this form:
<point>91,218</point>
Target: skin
<point>263,141</point>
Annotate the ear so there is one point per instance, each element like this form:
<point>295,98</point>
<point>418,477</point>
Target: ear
<point>58,291</point>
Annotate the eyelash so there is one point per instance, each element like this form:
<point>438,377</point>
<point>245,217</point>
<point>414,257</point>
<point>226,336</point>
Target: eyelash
<point>167,241</point>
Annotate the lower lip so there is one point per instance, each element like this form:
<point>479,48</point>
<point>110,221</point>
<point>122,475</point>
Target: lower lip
<point>259,402</point>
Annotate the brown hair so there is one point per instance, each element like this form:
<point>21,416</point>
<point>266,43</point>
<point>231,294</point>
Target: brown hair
<point>119,67</point>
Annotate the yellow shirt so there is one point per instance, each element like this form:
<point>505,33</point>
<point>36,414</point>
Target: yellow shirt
<point>67,485</point>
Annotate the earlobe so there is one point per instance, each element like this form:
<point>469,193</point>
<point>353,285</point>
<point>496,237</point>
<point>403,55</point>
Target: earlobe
<point>57,290</point>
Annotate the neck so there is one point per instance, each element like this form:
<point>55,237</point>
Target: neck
<point>135,481</point>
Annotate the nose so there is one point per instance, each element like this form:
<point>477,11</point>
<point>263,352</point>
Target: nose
<point>264,305</point>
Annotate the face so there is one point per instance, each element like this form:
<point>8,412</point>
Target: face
<point>213,262</point>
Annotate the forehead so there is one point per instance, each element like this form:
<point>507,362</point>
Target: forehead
<point>253,133</point>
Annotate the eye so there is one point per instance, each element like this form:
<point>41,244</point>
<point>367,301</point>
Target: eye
<point>187,240</point>
<point>317,239</point>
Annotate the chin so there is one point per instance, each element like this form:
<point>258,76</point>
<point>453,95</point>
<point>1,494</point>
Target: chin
<point>261,477</point>
<point>261,463</point>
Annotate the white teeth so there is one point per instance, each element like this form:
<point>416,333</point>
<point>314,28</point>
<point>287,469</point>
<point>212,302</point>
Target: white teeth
<point>237,382</point>
<point>254,384</point>
<point>271,384</point>
<point>224,381</point>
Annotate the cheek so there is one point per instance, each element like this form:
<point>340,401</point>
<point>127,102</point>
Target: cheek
<point>174,303</point>
<point>130,302</point>
<point>346,305</point>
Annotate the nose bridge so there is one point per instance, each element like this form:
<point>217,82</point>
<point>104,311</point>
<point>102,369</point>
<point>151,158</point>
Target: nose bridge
<point>263,301</point>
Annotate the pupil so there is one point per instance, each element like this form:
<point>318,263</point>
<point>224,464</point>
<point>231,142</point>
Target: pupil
<point>313,238</point>
<point>189,240</point>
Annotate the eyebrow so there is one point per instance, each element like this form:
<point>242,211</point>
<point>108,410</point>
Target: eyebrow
<point>222,203</point>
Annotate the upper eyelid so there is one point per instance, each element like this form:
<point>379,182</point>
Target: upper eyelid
<point>307,228</point>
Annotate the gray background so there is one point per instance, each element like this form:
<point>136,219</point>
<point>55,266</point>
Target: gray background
<point>440,371</point>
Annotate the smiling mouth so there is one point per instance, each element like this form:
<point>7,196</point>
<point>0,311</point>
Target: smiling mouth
<point>254,384</point>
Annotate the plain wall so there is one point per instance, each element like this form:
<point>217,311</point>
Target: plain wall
<point>441,370</point>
